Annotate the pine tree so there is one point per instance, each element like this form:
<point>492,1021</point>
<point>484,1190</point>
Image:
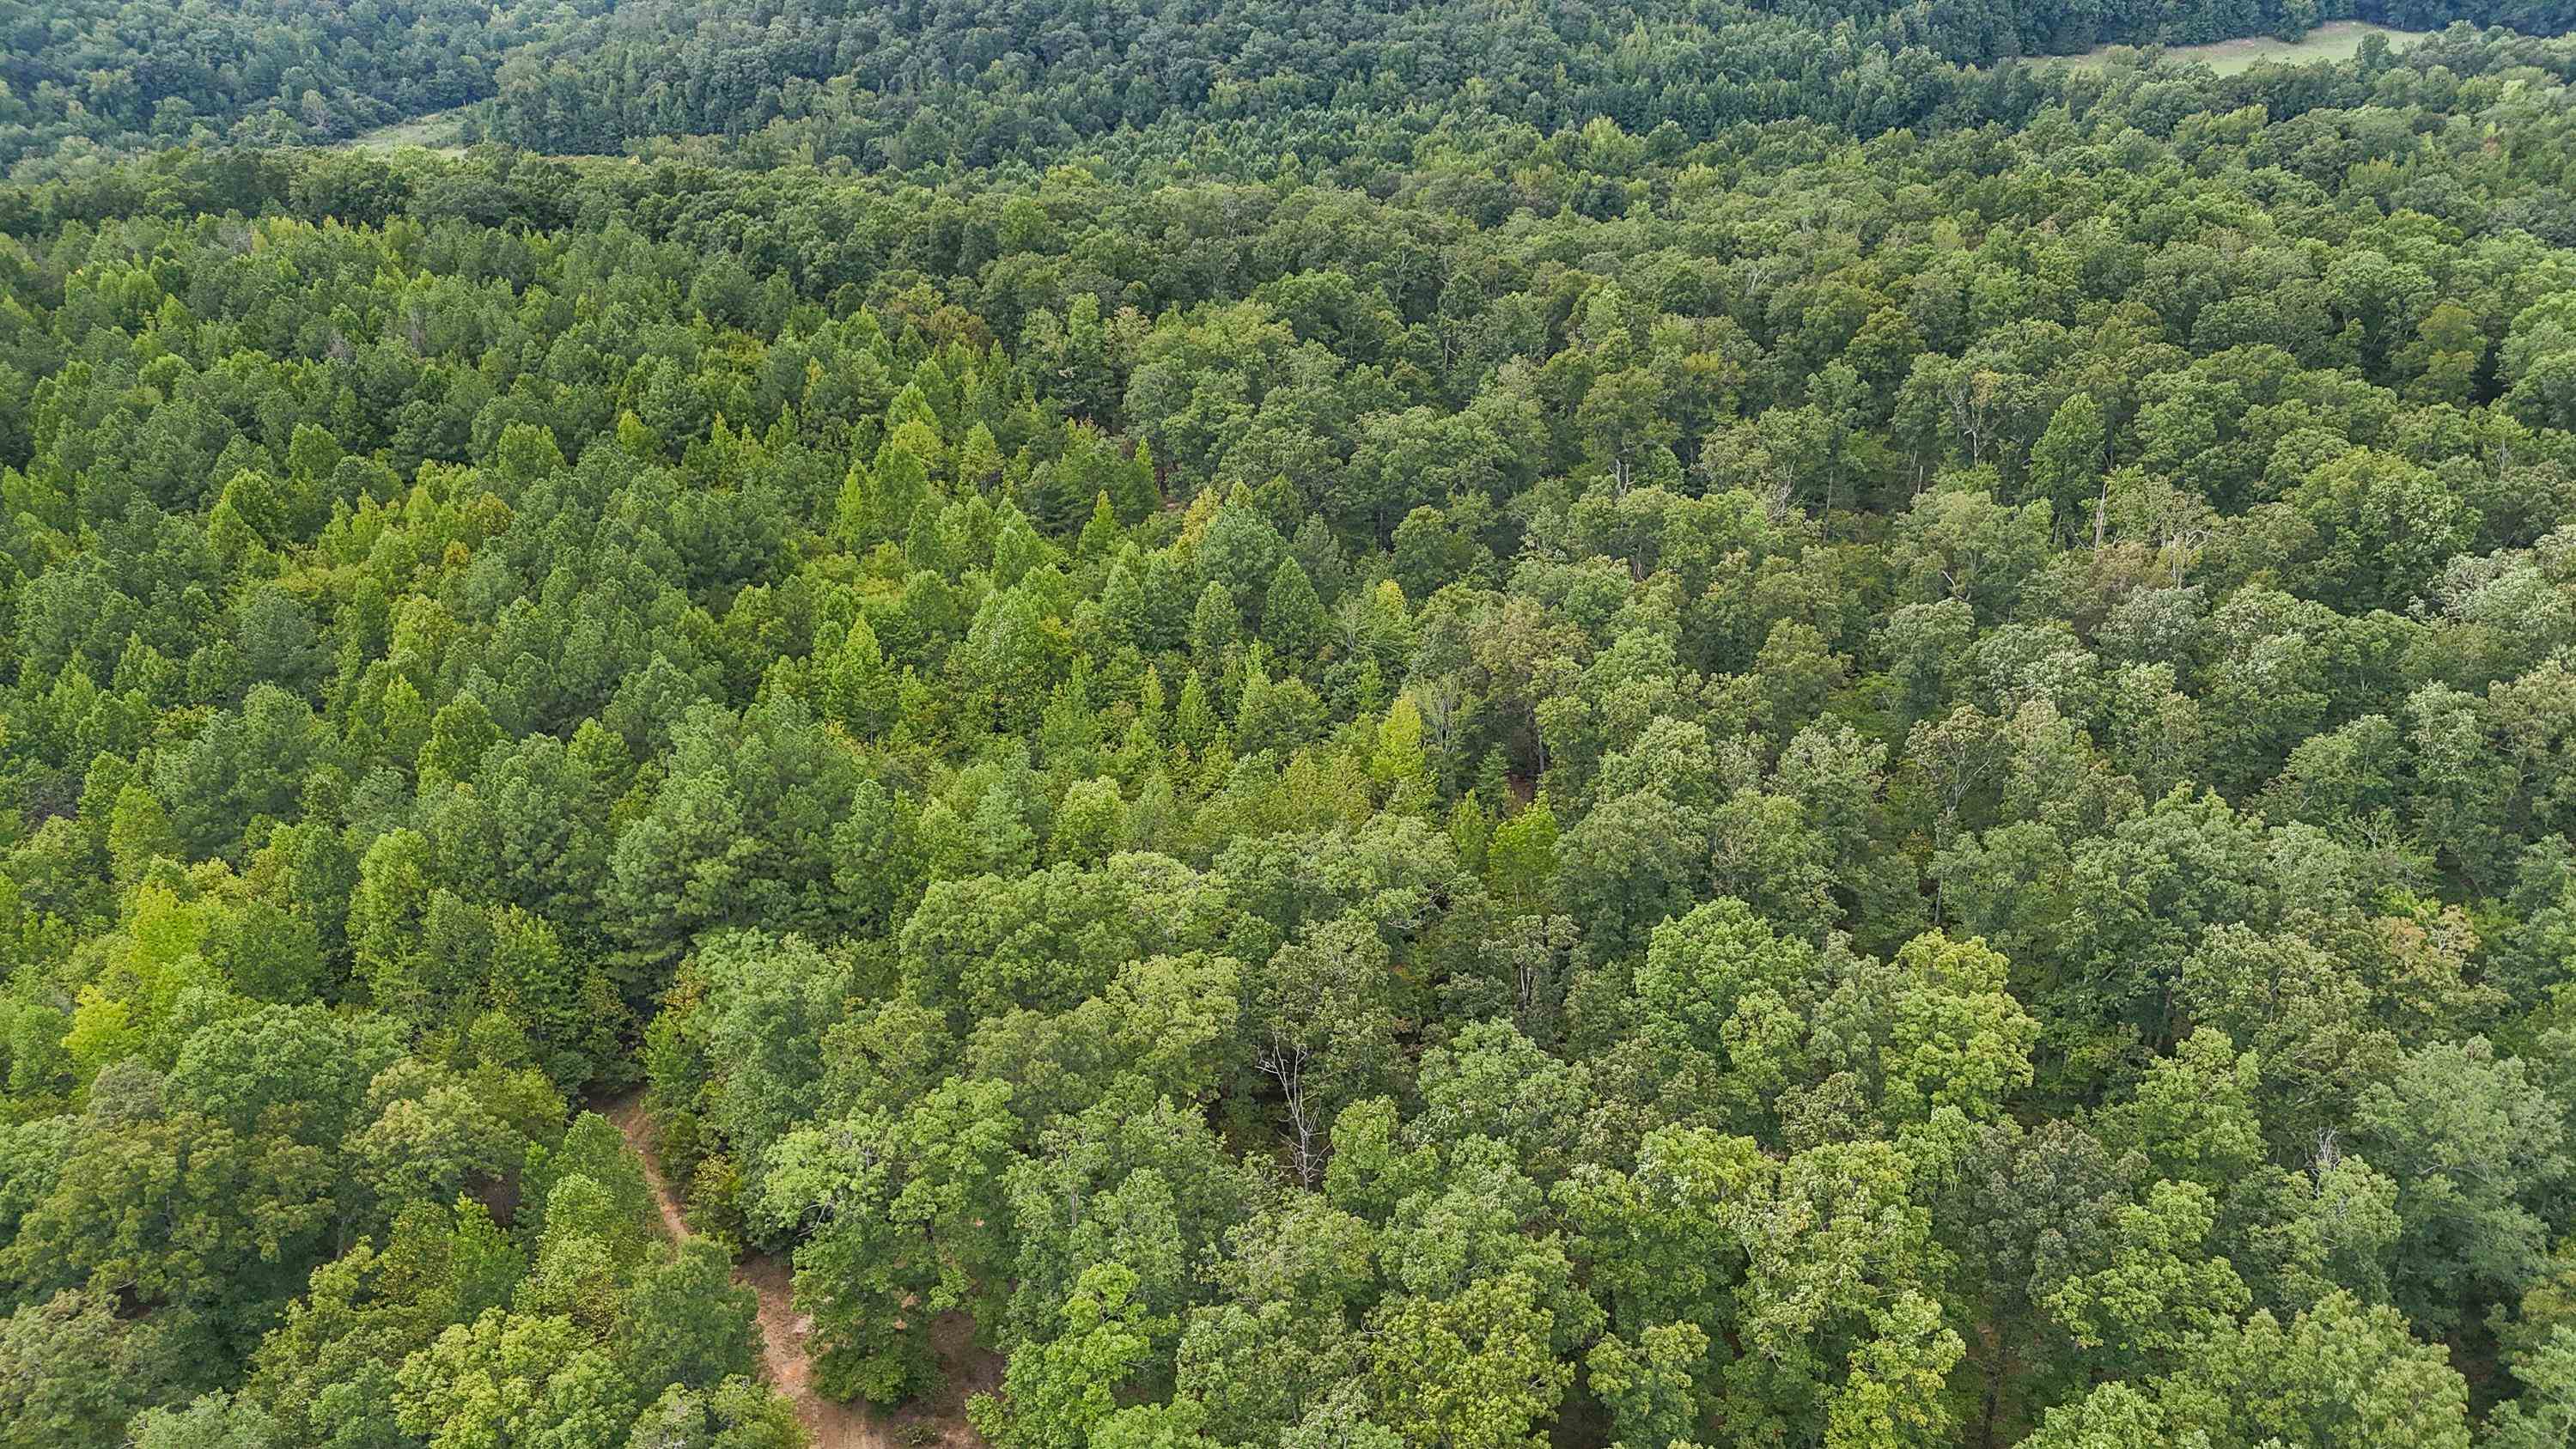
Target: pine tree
<point>1213,626</point>
<point>1470,829</point>
<point>1069,730</point>
<point>1400,767</point>
<point>458,737</point>
<point>1170,595</point>
<point>1194,721</point>
<point>1123,619</point>
<point>2066,462</point>
<point>1153,711</point>
<point>1017,548</point>
<point>636,440</point>
<point>898,479</point>
<point>929,543</point>
<point>979,460</point>
<point>851,511</point>
<point>858,689</point>
<point>404,720</point>
<point>1003,843</point>
<point>1139,491</point>
<point>1155,818</point>
<point>1292,618</point>
<point>1101,536</point>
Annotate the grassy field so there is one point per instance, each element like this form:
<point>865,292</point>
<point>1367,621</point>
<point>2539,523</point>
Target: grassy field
<point>436,131</point>
<point>2336,40</point>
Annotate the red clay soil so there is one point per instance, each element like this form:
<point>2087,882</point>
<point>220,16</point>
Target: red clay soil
<point>785,1360</point>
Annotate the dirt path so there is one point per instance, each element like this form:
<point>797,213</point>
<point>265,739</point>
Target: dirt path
<point>785,1359</point>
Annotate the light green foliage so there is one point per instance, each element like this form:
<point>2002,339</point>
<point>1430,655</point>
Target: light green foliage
<point>1058,1394</point>
<point>1292,618</point>
<point>507,1377</point>
<point>1521,862</point>
<point>920,1227</point>
<point>1711,967</point>
<point>1959,1040</point>
<point>1474,1370</point>
<point>2340,1375</point>
<point>740,1413</point>
<point>1650,1387</point>
<point>2156,1292</point>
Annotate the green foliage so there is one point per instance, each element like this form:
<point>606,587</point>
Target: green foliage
<point>74,1373</point>
<point>1717,724</point>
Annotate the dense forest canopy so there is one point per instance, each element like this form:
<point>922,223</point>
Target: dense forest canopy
<point>1453,728</point>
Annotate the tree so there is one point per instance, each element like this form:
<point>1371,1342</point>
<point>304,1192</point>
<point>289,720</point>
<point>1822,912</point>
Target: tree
<point>2381,526</point>
<point>1650,1387</point>
<point>687,1324</point>
<point>858,689</point>
<point>2339,1375</point>
<point>2066,463</point>
<point>182,1210</point>
<point>1520,864</point>
<point>1831,1323</point>
<point>1897,1389</point>
<point>1292,618</point>
<point>2155,1295</point>
<point>740,829</point>
<point>2470,1140</point>
<point>459,734</point>
<point>2192,1115</point>
<point>1474,1371</point>
<point>2022,1211</point>
<point>73,1373</point>
<point>297,1071</point>
<point>1322,1031</point>
<point>1663,1239</point>
<point>510,1378</point>
<point>1620,418</point>
<point>1703,968</point>
<point>2546,1411</point>
<point>1055,1395</point>
<point>1631,863</point>
<point>740,1413</point>
<point>210,1421</point>
<point>905,1221</point>
<point>138,833</point>
<point>1959,1040</point>
<point>1400,766</point>
<point>1212,626</point>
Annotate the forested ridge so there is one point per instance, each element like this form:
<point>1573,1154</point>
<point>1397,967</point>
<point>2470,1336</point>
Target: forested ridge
<point>1475,775</point>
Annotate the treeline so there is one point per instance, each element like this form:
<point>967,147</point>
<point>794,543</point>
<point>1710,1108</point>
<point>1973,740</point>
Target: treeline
<point>974,84</point>
<point>979,83</point>
<point>825,228</point>
<point>901,87</point>
<point>1781,790</point>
